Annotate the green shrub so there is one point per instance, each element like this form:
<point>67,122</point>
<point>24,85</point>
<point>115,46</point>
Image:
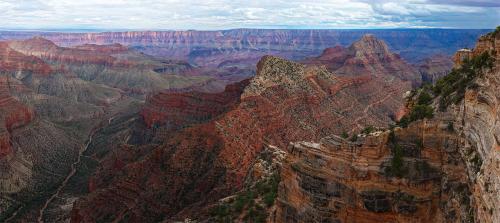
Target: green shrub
<point>397,167</point>
<point>250,202</point>
<point>354,138</point>
<point>424,98</point>
<point>404,121</point>
<point>450,127</point>
<point>242,200</point>
<point>392,136</point>
<point>495,32</point>
<point>368,130</point>
<point>421,112</point>
<point>452,87</point>
<point>344,135</point>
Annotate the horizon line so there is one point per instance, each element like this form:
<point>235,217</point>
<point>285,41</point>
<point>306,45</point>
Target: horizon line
<point>98,30</point>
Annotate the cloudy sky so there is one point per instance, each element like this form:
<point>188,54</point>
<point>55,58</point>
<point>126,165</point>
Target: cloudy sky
<point>227,14</point>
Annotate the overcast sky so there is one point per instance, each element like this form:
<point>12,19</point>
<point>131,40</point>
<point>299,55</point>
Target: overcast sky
<point>228,14</point>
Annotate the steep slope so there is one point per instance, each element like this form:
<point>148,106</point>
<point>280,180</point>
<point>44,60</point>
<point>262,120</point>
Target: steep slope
<point>443,168</point>
<point>477,121</point>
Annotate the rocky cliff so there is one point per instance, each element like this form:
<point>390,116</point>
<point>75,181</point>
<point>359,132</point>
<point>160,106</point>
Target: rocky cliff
<point>443,168</point>
<point>477,118</point>
<point>336,180</point>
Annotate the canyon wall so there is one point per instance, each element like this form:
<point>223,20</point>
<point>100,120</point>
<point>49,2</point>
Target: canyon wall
<point>477,118</point>
<point>215,47</point>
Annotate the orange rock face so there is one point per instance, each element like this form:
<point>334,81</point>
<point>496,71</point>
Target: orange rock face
<point>340,181</point>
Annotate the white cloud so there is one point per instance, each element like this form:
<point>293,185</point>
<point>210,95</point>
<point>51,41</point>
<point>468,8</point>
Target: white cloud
<point>225,14</point>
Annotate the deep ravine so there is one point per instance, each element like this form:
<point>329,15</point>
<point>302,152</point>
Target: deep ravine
<point>73,170</point>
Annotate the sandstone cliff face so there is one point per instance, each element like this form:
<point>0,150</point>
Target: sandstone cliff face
<point>340,181</point>
<point>448,167</point>
<point>477,117</point>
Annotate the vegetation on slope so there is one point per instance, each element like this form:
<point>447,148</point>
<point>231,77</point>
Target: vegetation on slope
<point>451,88</point>
<point>250,204</point>
<point>448,90</point>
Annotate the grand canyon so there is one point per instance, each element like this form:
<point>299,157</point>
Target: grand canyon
<point>250,125</point>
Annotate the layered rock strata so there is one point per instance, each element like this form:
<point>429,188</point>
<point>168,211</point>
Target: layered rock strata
<point>341,181</point>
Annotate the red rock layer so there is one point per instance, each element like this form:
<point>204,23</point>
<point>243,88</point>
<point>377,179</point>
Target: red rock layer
<point>5,147</point>
<point>185,108</point>
<point>47,50</point>
<point>106,49</point>
<point>295,43</point>
<point>12,61</point>
<point>13,114</point>
<point>446,171</point>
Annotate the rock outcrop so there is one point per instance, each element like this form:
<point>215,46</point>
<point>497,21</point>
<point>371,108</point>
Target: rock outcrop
<point>112,65</point>
<point>341,181</point>
<point>477,121</point>
<point>51,97</point>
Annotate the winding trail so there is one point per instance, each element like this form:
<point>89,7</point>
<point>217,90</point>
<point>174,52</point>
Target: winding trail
<point>74,167</point>
<point>369,107</point>
<point>14,214</point>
